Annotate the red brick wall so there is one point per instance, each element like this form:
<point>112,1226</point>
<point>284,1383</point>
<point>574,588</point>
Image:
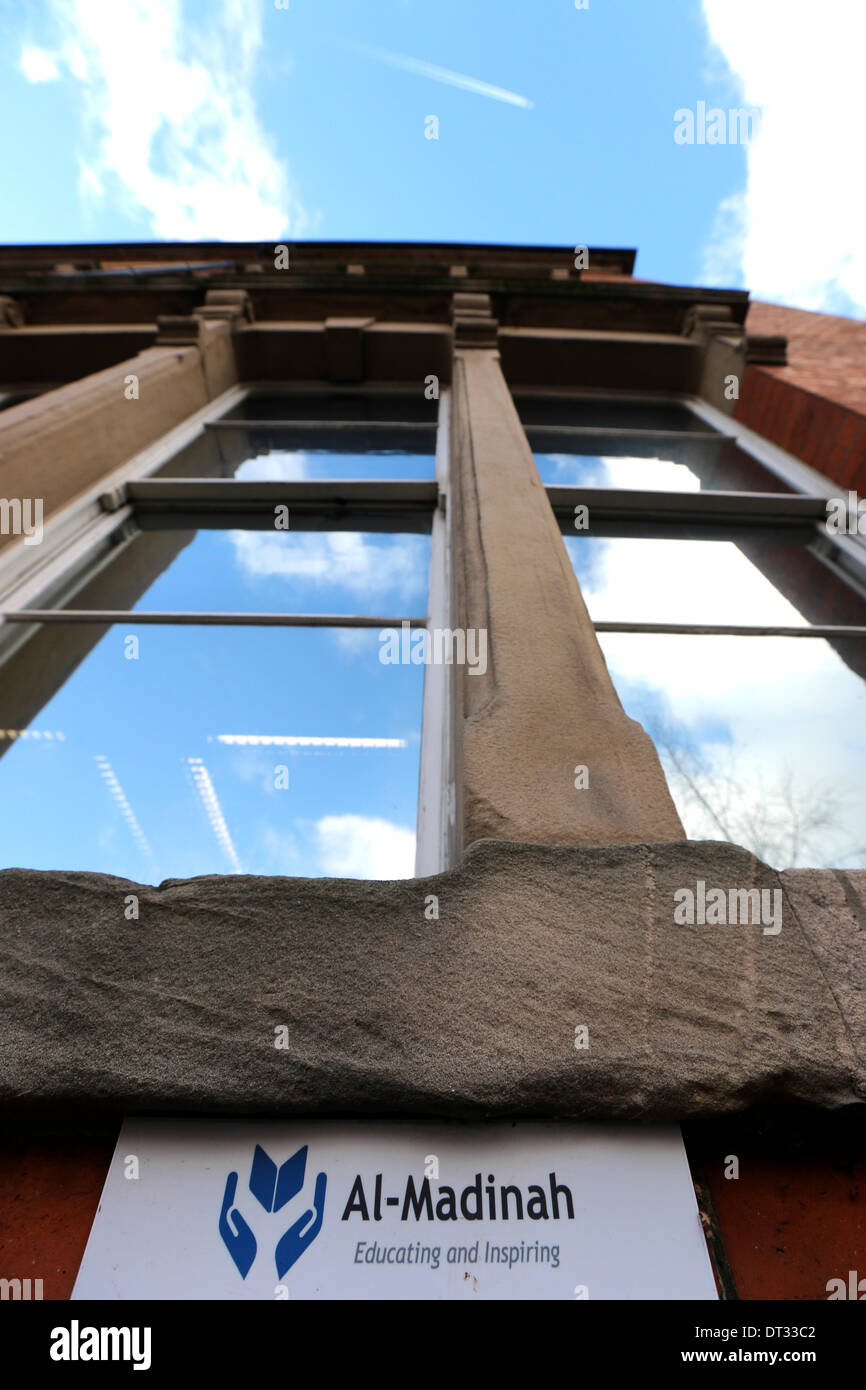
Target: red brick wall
<point>50,1191</point>
<point>815,407</point>
<point>795,1216</point>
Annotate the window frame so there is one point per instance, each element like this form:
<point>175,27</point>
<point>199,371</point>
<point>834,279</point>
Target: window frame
<point>83,538</point>
<point>805,505</point>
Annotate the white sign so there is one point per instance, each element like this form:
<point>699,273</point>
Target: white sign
<point>321,1209</point>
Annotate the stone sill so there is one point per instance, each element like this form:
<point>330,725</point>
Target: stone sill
<point>389,1011</point>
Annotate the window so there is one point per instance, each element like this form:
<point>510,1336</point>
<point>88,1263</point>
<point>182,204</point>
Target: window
<point>639,444</point>
<point>232,711</point>
<point>761,739</point>
<point>291,436</point>
<point>733,624</point>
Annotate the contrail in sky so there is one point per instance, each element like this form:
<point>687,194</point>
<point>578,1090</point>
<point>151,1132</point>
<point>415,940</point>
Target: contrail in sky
<point>451,79</point>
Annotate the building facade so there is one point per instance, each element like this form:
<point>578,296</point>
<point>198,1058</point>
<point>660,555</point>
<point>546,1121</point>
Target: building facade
<point>601,645</point>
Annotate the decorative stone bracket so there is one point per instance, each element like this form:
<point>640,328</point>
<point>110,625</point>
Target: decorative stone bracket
<point>344,348</point>
<point>231,306</point>
<point>724,352</point>
<point>474,324</point>
<point>767,350</point>
<point>11,314</point>
<point>178,330</point>
<point>707,321</point>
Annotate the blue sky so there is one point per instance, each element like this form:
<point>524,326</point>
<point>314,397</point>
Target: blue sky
<point>233,118</point>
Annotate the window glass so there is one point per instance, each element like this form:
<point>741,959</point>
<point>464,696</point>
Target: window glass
<point>209,751</point>
<point>168,751</point>
<point>349,407</point>
<point>323,436</point>
<point>587,444</point>
<point>746,576</point>
<point>260,456</point>
<point>648,579</point>
<point>606,412</point>
<point>688,468</point>
<point>763,740</point>
<point>269,571</point>
<point>588,470</point>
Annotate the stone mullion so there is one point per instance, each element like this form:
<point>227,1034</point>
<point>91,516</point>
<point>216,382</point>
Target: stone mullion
<point>545,703</point>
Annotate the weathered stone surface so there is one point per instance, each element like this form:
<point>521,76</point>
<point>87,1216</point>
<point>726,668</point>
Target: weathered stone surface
<point>387,1011</point>
<point>546,702</point>
<point>831,908</point>
<point>68,440</point>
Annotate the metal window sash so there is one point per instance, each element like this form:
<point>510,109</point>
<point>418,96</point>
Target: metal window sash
<point>709,508</point>
<point>132,617</point>
<point>732,629</point>
<point>628,432</point>
<point>330,504</point>
<point>107,617</point>
<point>338,426</point>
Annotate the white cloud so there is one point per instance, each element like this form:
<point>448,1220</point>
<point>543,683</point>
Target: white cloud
<point>344,559</point>
<point>653,474</point>
<point>644,580</point>
<point>278,466</point>
<point>171,116</point>
<point>755,707</point>
<point>796,230</point>
<point>37,65</point>
<point>723,257</point>
<point>763,713</point>
<point>364,847</point>
<point>90,186</point>
<point>281,850</point>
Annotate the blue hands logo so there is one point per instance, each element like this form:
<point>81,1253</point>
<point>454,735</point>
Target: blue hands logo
<point>272,1187</point>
